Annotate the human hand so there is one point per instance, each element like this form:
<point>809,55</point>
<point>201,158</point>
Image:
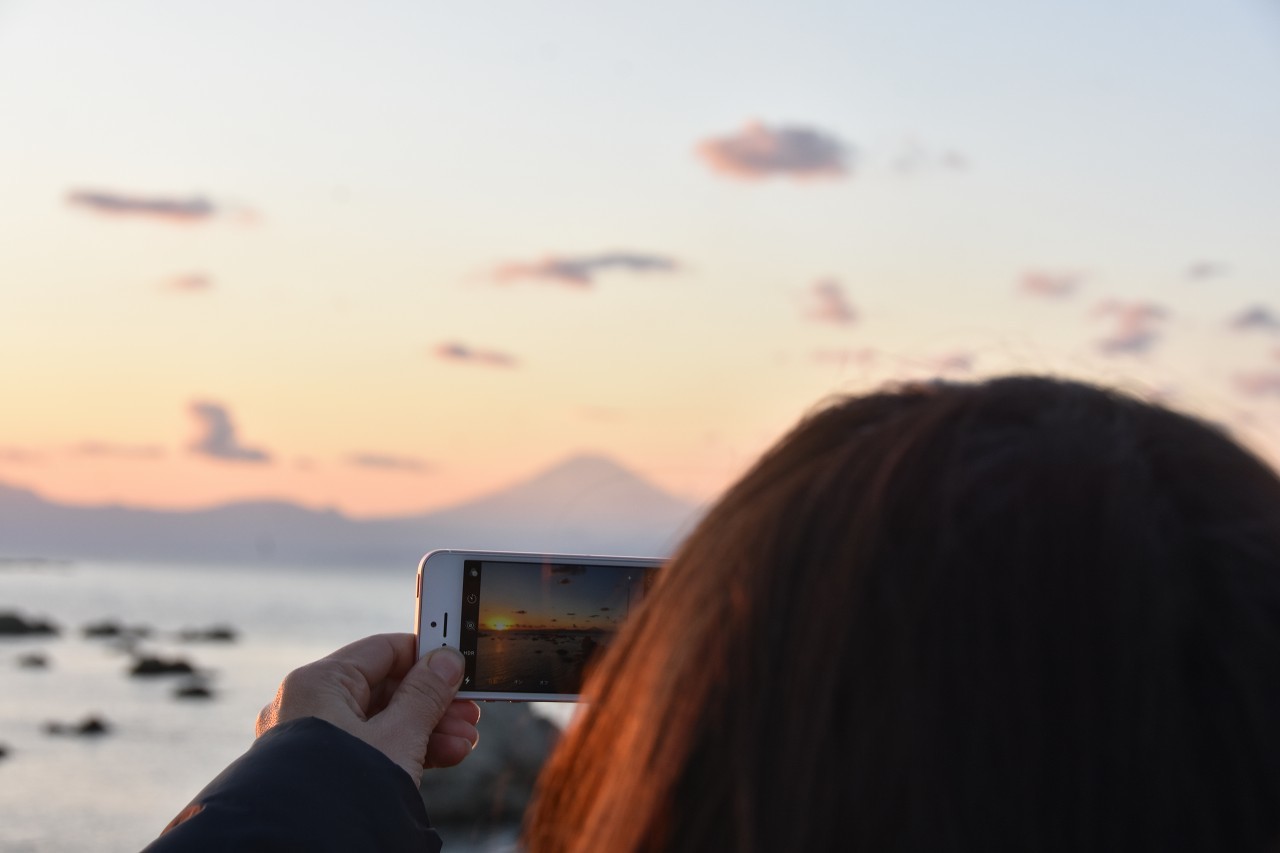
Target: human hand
<point>375,690</point>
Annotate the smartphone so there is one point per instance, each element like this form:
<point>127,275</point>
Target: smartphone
<point>529,626</point>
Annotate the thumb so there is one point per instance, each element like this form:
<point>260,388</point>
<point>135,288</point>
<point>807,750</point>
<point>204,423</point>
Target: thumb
<point>427,690</point>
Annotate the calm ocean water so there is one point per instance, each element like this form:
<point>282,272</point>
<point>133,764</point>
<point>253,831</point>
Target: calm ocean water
<point>550,659</point>
<point>116,791</point>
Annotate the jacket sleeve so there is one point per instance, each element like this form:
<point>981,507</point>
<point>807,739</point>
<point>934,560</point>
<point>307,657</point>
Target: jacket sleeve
<point>304,785</point>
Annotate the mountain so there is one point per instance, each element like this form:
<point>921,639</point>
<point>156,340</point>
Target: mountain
<point>586,504</point>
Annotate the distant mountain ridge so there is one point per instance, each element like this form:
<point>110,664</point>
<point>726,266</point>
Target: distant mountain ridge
<point>585,504</point>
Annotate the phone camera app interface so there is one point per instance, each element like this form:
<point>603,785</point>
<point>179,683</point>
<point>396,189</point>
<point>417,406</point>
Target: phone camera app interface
<point>539,627</point>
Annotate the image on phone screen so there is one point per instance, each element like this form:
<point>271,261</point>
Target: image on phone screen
<point>539,627</point>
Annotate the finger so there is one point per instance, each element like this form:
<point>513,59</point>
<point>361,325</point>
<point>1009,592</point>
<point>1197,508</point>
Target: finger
<point>446,751</point>
<point>457,728</point>
<point>464,709</point>
<point>378,657</point>
<point>426,691</point>
<point>268,717</point>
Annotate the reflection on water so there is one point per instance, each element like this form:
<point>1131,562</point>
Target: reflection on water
<point>536,661</point>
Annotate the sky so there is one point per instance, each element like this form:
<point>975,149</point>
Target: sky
<point>386,257</point>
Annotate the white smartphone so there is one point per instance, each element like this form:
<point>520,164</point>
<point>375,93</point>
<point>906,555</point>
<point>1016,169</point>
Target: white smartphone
<point>528,625</point>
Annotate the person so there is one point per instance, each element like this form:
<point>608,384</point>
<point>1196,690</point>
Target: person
<point>1014,615</point>
<point>338,758</point>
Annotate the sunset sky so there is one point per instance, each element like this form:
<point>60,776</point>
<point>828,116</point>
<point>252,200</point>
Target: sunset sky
<point>388,256</point>
<point>557,598</point>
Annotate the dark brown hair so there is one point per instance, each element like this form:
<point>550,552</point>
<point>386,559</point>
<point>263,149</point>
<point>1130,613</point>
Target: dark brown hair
<point>1020,615</point>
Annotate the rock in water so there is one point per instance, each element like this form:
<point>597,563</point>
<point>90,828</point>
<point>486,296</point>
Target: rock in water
<point>110,629</point>
<point>89,726</point>
<point>93,726</point>
<point>193,690</point>
<point>212,634</point>
<point>144,666</point>
<point>13,625</point>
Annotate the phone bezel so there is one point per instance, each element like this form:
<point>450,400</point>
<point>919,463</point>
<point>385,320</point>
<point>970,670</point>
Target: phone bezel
<point>439,599</point>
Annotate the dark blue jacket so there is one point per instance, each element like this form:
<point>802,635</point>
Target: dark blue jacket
<point>304,785</point>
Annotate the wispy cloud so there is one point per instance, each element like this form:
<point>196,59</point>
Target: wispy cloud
<point>1204,270</point>
<point>1258,383</point>
<point>19,455</point>
<point>913,158</point>
<point>860,356</point>
<point>462,353</point>
<point>827,303</point>
<point>189,283</point>
<point>1051,285</point>
<point>121,451</point>
<point>217,436</point>
<point>761,151</point>
<point>581,270</point>
<point>952,363</point>
<point>193,208</point>
<point>1256,318</point>
<point>389,462</point>
<point>1137,326</point>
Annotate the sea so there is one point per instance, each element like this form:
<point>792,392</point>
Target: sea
<point>116,790</point>
<point>522,661</point>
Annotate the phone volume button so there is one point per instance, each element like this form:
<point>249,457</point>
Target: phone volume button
<point>418,592</point>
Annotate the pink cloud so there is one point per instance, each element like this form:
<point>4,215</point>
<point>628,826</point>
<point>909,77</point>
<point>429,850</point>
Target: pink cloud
<point>1137,326</point>
<point>1256,317</point>
<point>829,304</point>
<point>186,209</point>
<point>859,356</point>
<point>217,436</point>
<point>581,270</point>
<point>1258,383</point>
<point>123,451</point>
<point>389,462</point>
<point>19,455</point>
<point>463,354</point>
<point>189,283</point>
<point>953,362</point>
<point>1052,285</point>
<point>759,151</point>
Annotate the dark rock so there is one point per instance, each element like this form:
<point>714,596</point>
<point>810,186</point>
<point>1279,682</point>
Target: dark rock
<point>492,787</point>
<point>193,690</point>
<point>13,625</point>
<point>88,727</point>
<point>159,666</point>
<point>212,634</point>
<point>110,629</point>
<point>105,628</point>
<point>92,726</point>
<point>33,660</point>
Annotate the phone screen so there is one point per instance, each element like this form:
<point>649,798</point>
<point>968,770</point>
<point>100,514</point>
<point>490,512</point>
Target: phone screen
<point>532,627</point>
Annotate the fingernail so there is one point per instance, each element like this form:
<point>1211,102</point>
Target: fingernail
<point>446,663</point>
